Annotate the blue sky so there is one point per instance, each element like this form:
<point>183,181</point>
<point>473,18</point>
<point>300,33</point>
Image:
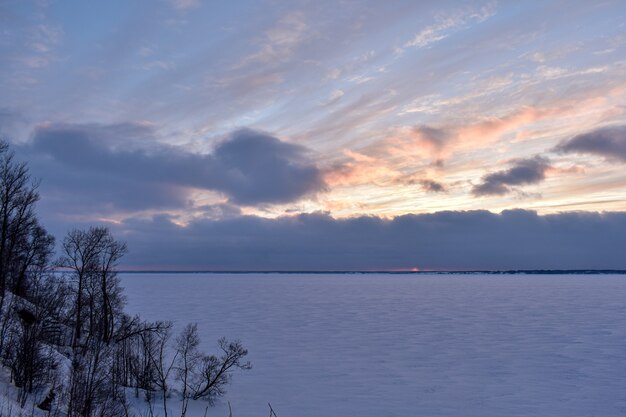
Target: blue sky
<point>179,114</point>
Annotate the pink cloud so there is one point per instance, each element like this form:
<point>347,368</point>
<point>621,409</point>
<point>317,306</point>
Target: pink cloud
<point>360,169</point>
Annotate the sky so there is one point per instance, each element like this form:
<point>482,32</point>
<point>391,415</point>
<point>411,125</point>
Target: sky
<point>314,135</point>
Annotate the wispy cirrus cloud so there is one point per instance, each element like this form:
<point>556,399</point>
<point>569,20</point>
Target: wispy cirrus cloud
<point>358,169</point>
<point>448,23</point>
<point>437,142</point>
<point>279,43</point>
<point>491,129</point>
<point>42,44</point>
<point>478,83</point>
<point>185,4</point>
<point>335,96</point>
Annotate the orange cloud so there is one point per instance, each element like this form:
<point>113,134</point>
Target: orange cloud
<point>407,155</point>
<point>420,142</point>
<point>439,142</point>
<point>360,169</point>
<point>492,129</point>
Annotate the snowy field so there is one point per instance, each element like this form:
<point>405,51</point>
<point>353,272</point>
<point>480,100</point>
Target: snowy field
<point>406,345</point>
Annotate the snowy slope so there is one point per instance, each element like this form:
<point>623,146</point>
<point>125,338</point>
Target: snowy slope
<point>9,407</point>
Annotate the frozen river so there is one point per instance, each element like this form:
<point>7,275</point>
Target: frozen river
<point>380,345</point>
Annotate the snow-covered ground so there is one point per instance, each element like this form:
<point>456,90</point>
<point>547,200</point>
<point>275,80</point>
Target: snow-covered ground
<point>405,345</point>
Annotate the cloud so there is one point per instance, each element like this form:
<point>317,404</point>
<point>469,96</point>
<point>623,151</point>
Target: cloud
<point>185,4</point>
<point>443,141</point>
<point>123,167</point>
<point>419,141</point>
<point>428,185</point>
<point>432,186</point>
<point>453,240</point>
<point>280,42</point>
<point>435,137</point>
<point>12,122</point>
<point>448,24</point>
<point>523,172</point>
<point>44,40</point>
<point>257,168</point>
<point>335,96</point>
<point>609,142</point>
<point>491,129</point>
<point>360,169</point>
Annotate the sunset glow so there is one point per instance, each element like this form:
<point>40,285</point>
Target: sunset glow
<point>134,112</point>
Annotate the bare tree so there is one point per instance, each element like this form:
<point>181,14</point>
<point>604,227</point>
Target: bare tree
<point>29,354</point>
<point>18,195</point>
<point>156,347</point>
<point>30,366</point>
<point>92,390</point>
<point>205,376</point>
<point>80,255</point>
<point>136,342</point>
<point>32,257</point>
<point>92,256</point>
<point>216,372</point>
<point>189,358</point>
<point>111,299</point>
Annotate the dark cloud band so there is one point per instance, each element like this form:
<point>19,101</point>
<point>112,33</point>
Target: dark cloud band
<point>452,240</point>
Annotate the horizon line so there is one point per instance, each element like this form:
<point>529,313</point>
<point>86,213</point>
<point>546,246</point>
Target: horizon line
<point>423,272</point>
